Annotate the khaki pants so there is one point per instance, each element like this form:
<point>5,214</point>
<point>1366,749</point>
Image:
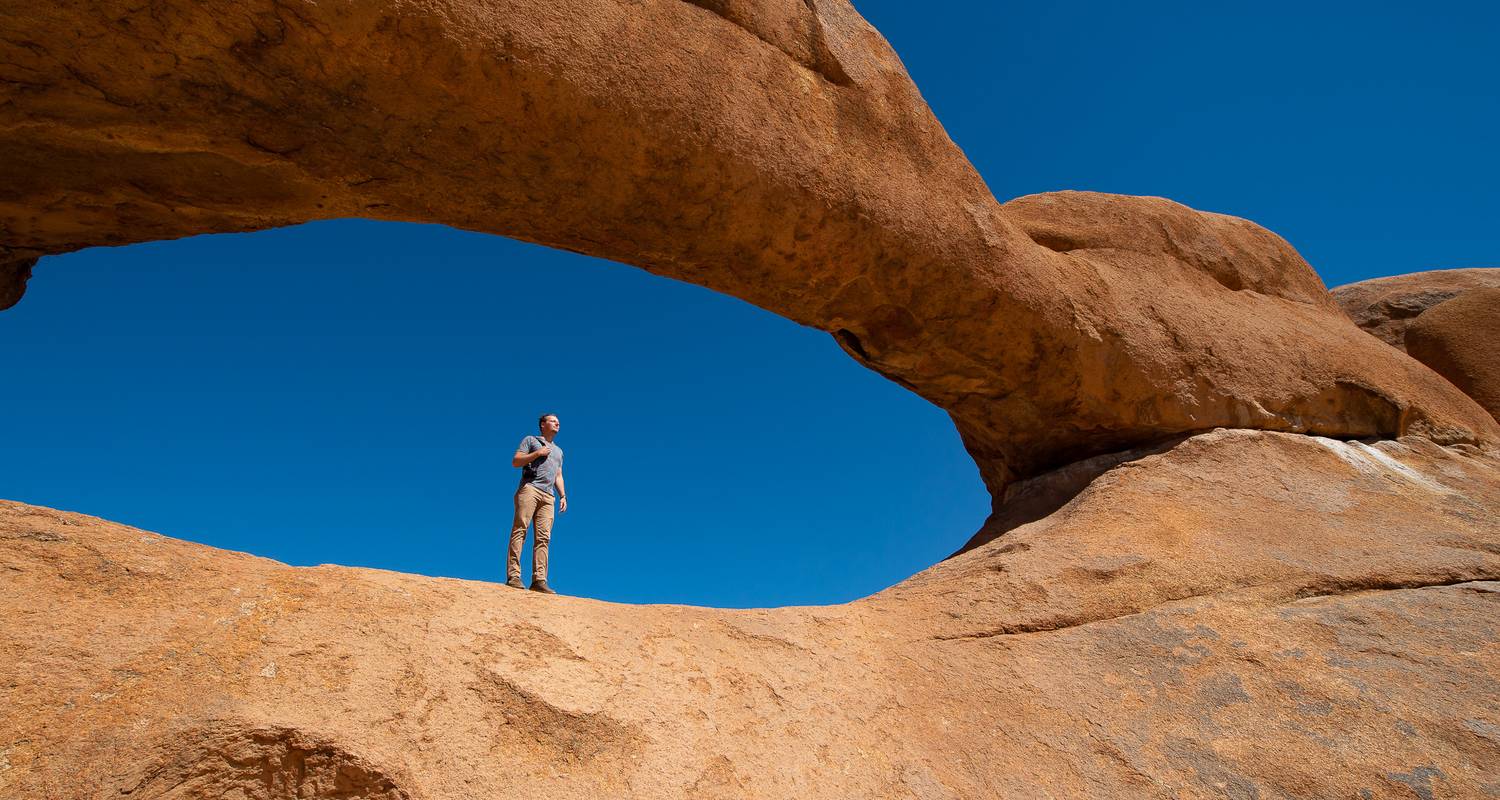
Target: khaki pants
<point>532,504</point>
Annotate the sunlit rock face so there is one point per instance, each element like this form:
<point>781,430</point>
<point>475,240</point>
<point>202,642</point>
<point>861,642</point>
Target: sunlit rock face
<point>775,151</point>
<point>1157,608</point>
<point>1460,339</point>
<point>1285,615</point>
<point>1446,319</point>
<point>1386,307</point>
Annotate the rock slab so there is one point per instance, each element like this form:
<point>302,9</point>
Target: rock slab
<point>1244,614</point>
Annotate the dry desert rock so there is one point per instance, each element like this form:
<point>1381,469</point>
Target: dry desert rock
<point>1386,307</point>
<point>1158,608</point>
<point>1460,340</point>
<point>1446,319</point>
<point>1243,615</point>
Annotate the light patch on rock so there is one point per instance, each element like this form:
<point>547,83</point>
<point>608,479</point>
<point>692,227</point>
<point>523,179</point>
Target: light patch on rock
<point>1376,462</point>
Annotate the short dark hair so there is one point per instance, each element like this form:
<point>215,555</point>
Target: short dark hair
<point>541,419</point>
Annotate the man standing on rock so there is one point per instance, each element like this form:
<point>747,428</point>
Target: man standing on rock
<point>540,460</point>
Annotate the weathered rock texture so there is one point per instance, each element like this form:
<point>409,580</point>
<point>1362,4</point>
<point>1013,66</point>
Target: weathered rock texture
<point>1460,339</point>
<point>1242,615</point>
<point>775,151</point>
<point>1237,613</point>
<point>1386,307</point>
<point>1447,319</point>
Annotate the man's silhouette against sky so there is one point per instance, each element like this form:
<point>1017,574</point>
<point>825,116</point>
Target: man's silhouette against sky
<point>540,460</point>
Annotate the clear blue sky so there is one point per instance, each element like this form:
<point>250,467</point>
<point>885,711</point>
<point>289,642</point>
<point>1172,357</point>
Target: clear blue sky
<point>350,392</point>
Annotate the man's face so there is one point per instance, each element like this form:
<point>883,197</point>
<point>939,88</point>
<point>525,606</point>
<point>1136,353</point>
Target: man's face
<point>551,425</point>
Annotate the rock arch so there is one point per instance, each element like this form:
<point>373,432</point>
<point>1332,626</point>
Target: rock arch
<point>777,152</point>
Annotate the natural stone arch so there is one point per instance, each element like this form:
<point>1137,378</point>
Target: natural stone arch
<point>777,152</point>
<point>1160,631</point>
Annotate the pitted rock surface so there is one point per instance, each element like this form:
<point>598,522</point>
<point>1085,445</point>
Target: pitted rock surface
<point>1243,614</point>
<point>774,151</point>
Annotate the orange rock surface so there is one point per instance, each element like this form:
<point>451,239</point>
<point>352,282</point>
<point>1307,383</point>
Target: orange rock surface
<point>1460,339</point>
<point>1156,609</point>
<point>1245,614</point>
<point>1386,307</point>
<point>1446,319</point>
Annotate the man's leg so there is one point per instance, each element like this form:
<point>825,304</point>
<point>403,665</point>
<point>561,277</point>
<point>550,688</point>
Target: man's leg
<point>543,536</point>
<point>525,509</point>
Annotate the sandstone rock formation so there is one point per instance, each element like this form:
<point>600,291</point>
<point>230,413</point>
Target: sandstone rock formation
<point>1243,615</point>
<point>1386,307</point>
<point>776,151</point>
<point>1446,319</point>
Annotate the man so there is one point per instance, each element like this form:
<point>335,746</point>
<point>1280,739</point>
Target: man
<point>540,460</point>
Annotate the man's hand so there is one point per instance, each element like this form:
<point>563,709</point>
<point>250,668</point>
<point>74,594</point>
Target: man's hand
<point>521,459</point>
<point>562,504</point>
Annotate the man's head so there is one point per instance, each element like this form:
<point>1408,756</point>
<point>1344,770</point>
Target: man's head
<point>548,423</point>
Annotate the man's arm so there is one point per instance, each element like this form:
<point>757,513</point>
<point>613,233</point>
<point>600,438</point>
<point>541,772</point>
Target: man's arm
<point>522,458</point>
<point>562,494</point>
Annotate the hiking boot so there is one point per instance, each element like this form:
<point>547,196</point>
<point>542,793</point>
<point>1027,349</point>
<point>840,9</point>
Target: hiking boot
<point>541,586</point>
<point>515,583</point>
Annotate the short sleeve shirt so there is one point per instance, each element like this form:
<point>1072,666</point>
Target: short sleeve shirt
<point>541,473</point>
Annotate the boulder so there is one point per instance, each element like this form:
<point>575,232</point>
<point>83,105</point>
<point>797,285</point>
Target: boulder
<point>1386,307</point>
<point>774,151</point>
<point>1447,319</point>
<point>1460,339</point>
<point>1242,614</point>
